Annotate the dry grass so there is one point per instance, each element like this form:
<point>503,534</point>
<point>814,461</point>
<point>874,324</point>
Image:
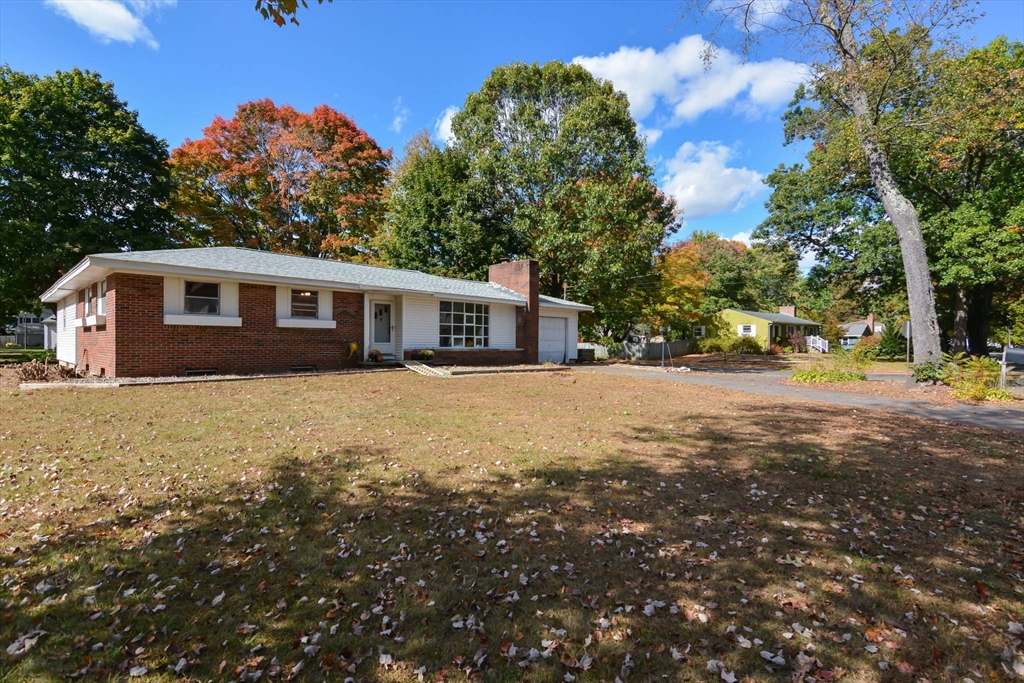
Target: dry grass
<point>513,527</point>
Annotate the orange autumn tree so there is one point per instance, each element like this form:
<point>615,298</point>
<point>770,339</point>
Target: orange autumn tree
<point>278,179</point>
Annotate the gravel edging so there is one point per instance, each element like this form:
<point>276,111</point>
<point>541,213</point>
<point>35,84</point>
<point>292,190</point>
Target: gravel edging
<point>498,370</point>
<point>152,381</point>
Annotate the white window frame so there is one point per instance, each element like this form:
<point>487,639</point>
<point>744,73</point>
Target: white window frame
<point>699,331</point>
<point>743,331</point>
<point>324,318</point>
<point>484,324</point>
<point>186,296</point>
<point>314,298</point>
<point>174,304</point>
<point>101,298</point>
<point>88,301</point>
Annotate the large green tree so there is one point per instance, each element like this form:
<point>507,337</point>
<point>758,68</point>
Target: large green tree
<point>957,153</point>
<point>78,175</point>
<point>861,88</point>
<point>545,163</point>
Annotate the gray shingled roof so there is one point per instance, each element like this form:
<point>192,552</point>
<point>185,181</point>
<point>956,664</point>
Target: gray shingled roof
<point>264,263</point>
<point>855,329</point>
<point>779,318</point>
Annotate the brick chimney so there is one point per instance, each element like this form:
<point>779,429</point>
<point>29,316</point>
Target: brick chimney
<point>788,310</point>
<point>522,277</point>
<point>871,323</point>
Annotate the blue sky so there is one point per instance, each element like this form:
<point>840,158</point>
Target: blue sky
<point>397,67</point>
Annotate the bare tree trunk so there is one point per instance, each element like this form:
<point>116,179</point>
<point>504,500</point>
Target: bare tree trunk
<point>960,308</point>
<point>923,320</point>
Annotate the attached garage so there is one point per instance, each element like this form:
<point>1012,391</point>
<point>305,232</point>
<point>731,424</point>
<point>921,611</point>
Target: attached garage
<point>552,340</point>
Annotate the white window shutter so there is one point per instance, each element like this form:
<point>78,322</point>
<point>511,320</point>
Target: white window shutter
<point>229,299</point>
<point>284,302</point>
<point>174,296</point>
<point>325,305</point>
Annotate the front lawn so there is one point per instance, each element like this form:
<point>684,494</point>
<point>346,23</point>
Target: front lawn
<point>557,527</point>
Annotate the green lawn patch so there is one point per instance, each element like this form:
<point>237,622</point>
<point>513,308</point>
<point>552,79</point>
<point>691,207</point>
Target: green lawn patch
<point>510,527</point>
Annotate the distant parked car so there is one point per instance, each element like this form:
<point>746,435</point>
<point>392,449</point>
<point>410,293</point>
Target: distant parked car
<point>1014,356</point>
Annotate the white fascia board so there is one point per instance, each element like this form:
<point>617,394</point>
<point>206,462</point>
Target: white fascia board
<point>218,275</point>
<point>201,320</point>
<point>566,306</point>
<point>477,299</point>
<point>308,323</point>
<point>61,288</point>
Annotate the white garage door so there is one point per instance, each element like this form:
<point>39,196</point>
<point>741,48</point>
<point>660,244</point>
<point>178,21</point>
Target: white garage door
<point>552,340</point>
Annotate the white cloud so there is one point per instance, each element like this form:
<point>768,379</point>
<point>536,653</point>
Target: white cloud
<point>443,125</point>
<point>677,78</point>
<point>401,116</point>
<point>111,20</point>
<point>743,237</point>
<point>704,185</point>
<point>650,134</point>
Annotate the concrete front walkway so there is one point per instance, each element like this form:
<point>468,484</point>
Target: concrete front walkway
<point>769,383</point>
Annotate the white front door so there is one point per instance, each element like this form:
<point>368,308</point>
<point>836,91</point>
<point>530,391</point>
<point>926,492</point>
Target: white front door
<point>382,332</point>
<point>552,340</point>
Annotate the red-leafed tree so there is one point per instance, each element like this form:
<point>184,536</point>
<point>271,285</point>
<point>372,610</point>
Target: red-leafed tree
<point>278,179</point>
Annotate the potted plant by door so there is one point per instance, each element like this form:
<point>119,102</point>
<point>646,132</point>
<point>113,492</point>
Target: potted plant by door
<point>376,356</point>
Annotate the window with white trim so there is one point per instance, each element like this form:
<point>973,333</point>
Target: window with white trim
<point>101,299</point>
<point>305,303</point>
<point>699,331</point>
<point>464,325</point>
<point>747,330</point>
<point>202,298</point>
<point>88,301</point>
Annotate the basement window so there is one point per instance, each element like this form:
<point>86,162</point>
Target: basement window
<point>464,325</point>
<point>202,298</point>
<point>303,368</point>
<point>305,303</point>
<point>200,373</point>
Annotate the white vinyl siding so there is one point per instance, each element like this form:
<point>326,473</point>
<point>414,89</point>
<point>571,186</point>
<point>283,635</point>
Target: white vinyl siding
<point>420,323</point>
<point>66,330</point>
<point>571,327</point>
<point>503,326</point>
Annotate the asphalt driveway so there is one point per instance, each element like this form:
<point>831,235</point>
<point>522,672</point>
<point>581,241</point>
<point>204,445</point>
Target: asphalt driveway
<point>768,382</point>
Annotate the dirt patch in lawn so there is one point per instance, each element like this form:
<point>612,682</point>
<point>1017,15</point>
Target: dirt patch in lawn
<point>896,389</point>
<point>511,527</point>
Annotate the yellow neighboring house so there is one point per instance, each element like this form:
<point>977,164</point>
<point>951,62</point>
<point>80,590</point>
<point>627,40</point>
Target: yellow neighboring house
<point>767,328</point>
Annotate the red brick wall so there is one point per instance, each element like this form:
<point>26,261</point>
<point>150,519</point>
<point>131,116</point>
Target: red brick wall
<point>96,351</point>
<point>477,357</point>
<point>522,277</point>
<point>147,347</point>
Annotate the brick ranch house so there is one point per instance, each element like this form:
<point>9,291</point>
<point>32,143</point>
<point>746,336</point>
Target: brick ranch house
<point>240,311</point>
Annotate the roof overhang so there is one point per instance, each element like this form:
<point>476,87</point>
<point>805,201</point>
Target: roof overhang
<point>82,275</point>
<point>566,305</point>
<point>94,268</point>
